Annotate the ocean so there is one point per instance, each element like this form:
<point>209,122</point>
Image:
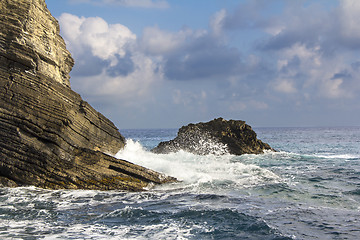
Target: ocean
<point>309,189</point>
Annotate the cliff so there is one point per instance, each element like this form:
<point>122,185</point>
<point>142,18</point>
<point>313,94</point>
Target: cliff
<point>49,136</point>
<point>218,136</point>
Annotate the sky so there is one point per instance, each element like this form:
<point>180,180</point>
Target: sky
<point>168,63</point>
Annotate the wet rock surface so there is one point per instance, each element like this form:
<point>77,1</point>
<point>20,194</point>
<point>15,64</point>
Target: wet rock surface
<point>218,136</point>
<point>49,136</point>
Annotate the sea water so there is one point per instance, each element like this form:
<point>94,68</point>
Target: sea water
<point>309,189</point>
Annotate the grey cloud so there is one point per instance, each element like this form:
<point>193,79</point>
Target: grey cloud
<point>306,39</point>
<point>333,30</point>
<point>294,63</point>
<point>342,75</point>
<point>248,15</point>
<point>356,66</point>
<point>88,65</point>
<point>308,24</point>
<point>288,38</point>
<point>124,67</point>
<point>201,59</point>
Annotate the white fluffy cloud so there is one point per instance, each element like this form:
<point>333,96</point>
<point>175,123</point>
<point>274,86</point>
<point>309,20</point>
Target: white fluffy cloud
<point>107,61</point>
<point>105,41</point>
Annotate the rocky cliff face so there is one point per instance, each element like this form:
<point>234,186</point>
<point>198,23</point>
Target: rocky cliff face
<point>218,136</point>
<point>30,37</point>
<point>49,136</point>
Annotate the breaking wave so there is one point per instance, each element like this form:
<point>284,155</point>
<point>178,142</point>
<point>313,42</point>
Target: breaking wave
<point>200,172</point>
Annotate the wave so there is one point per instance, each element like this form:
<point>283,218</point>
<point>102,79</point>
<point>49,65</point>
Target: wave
<point>338,156</point>
<point>139,223</point>
<point>280,155</point>
<point>31,213</point>
<point>199,172</point>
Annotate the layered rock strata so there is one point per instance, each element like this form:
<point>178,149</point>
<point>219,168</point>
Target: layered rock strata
<point>49,136</point>
<point>218,136</point>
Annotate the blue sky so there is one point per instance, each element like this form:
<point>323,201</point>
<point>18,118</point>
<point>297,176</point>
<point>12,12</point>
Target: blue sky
<point>166,63</point>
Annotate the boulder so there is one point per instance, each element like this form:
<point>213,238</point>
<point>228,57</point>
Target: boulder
<point>49,136</point>
<point>218,136</point>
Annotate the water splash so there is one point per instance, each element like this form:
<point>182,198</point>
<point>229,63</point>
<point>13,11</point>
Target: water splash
<point>200,172</point>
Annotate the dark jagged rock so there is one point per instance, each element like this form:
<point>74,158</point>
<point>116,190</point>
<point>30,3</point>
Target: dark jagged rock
<point>49,136</point>
<point>218,136</point>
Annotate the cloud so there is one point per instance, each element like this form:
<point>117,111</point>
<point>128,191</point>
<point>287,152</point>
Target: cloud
<point>105,41</point>
<point>302,56</point>
<point>333,29</point>
<point>131,86</point>
<point>332,88</point>
<point>187,98</point>
<point>217,22</point>
<point>107,61</point>
<point>155,41</point>
<point>111,60</point>
<point>254,14</point>
<point>240,106</point>
<point>127,3</point>
<point>285,86</point>
<point>203,58</point>
<point>306,44</point>
<point>348,23</point>
<point>191,54</point>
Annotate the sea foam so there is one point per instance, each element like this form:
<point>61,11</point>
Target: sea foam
<point>204,171</point>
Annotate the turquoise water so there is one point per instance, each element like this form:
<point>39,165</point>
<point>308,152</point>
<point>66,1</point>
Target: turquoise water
<point>309,189</point>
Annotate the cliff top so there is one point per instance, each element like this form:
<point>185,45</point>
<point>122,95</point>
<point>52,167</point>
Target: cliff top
<point>30,35</point>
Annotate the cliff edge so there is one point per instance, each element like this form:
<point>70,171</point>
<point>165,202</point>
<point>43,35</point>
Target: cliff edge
<point>49,136</point>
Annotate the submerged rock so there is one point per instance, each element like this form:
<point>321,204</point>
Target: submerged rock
<point>218,136</point>
<point>49,136</point>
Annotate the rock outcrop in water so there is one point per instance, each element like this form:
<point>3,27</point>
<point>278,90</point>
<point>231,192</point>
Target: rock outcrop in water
<point>218,136</point>
<point>49,136</point>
